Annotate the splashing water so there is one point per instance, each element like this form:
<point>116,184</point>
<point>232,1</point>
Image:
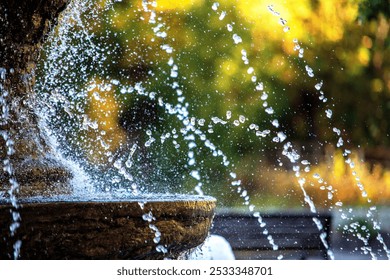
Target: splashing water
<point>79,89</point>
<point>7,164</point>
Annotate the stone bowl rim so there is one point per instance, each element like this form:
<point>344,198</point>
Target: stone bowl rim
<point>145,198</point>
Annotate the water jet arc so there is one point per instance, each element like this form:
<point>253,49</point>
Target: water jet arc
<point>59,226</point>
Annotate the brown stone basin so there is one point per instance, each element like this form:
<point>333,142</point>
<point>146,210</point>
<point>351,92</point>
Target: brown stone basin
<point>101,229</point>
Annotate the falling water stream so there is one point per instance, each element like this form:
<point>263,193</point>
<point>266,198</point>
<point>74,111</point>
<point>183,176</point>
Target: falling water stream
<point>76,70</point>
<point>7,165</point>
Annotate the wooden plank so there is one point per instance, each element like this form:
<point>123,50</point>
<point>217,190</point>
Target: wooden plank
<point>290,232</point>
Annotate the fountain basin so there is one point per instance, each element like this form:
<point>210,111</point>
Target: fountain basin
<point>107,228</point>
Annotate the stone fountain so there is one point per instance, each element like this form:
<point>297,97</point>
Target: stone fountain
<point>53,224</point>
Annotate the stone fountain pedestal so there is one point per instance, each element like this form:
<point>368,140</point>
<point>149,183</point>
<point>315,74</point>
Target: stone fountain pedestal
<point>72,228</point>
<point>59,226</point>
<point>31,161</point>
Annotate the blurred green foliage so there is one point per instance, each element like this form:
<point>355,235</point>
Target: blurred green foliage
<point>371,9</point>
<point>352,62</point>
<point>345,42</point>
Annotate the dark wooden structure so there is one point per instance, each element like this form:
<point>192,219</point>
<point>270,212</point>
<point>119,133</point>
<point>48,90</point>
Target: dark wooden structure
<point>296,235</point>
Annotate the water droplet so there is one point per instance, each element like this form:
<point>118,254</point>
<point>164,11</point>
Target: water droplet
<point>328,113</point>
<point>300,53</point>
<point>161,249</point>
<point>237,39</point>
<point>168,49</point>
<point>318,223</point>
<point>217,120</point>
<point>3,73</point>
<point>262,133</point>
<point>319,85</point>
<point>148,217</point>
<point>96,95</point>
<point>91,87</point>
<point>250,70</point>
<point>17,246</point>
<point>201,122</point>
<point>337,131</point>
<point>149,142</point>
<point>195,174</point>
<point>269,110</point>
<point>174,73</point>
<point>228,115</point>
<point>340,142</point>
<point>260,87</point>
<point>222,16</point>
<point>282,21</point>
<point>271,9</point>
<point>198,189</point>
<point>236,183</point>
<point>281,136</point>
<point>309,71</point>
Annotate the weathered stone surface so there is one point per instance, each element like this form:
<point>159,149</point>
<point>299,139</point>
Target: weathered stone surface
<point>24,27</point>
<point>107,229</point>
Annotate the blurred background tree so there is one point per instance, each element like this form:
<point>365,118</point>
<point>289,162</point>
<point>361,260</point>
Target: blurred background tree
<point>345,42</point>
